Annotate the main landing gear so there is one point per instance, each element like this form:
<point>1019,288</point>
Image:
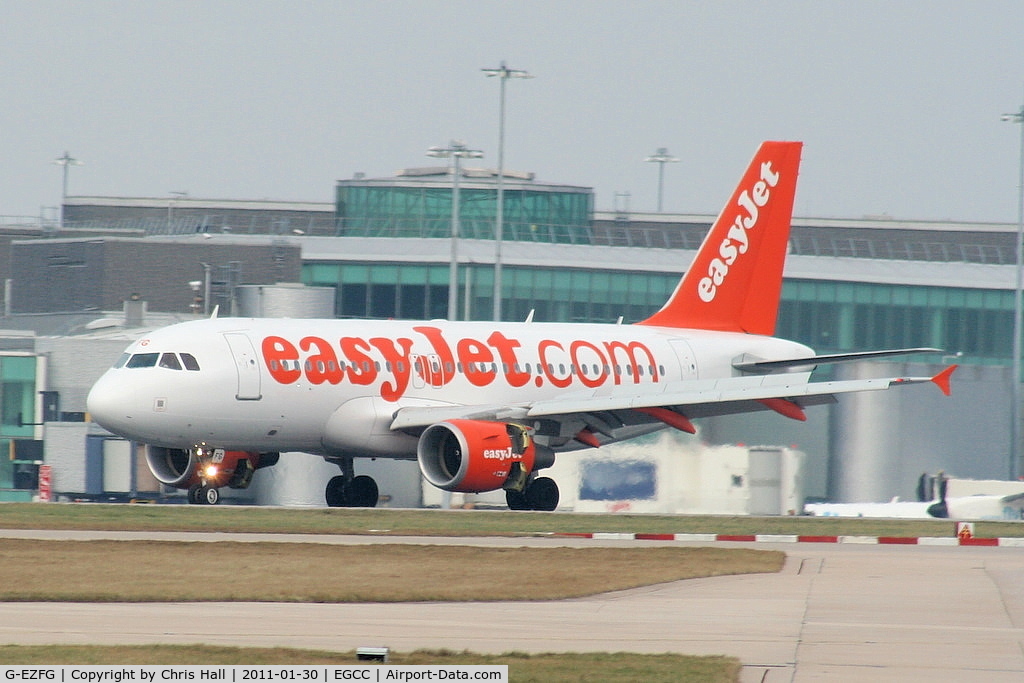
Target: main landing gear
<point>349,491</point>
<point>539,494</point>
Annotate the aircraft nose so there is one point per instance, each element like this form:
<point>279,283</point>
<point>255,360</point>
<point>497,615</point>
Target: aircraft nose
<point>109,403</point>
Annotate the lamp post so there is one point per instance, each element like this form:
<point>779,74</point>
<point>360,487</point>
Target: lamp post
<point>1018,306</point>
<point>661,157</point>
<point>65,161</point>
<point>176,195</point>
<point>456,150</point>
<point>503,73</point>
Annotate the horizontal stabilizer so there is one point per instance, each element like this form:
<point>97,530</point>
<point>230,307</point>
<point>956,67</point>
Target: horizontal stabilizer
<point>767,365</point>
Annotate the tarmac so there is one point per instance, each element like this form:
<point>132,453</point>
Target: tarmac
<point>835,613</point>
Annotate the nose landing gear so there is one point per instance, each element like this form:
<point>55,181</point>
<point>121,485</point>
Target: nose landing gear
<point>203,494</point>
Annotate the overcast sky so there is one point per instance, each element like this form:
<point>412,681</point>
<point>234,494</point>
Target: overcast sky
<point>898,103</point>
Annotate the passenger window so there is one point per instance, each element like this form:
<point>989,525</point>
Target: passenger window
<point>170,361</point>
<point>190,362</point>
<point>122,360</point>
<point>143,360</point>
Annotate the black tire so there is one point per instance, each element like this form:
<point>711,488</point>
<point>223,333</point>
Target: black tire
<point>516,500</point>
<point>336,493</point>
<point>362,492</point>
<point>542,494</point>
<point>208,495</point>
<point>193,494</point>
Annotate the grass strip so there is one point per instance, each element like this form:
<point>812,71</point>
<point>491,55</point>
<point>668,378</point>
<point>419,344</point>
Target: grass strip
<point>382,521</point>
<point>168,571</point>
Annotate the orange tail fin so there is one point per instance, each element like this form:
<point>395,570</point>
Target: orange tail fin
<point>734,282</point>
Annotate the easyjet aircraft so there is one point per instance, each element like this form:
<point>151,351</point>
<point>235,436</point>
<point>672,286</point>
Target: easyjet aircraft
<point>481,405</point>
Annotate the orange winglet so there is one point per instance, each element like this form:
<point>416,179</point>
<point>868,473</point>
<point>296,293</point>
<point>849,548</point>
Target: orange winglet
<point>785,407</point>
<point>669,417</point>
<point>941,380</point>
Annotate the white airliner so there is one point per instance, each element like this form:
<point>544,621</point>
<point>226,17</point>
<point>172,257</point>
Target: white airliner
<point>932,501</point>
<point>481,405</point>
<point>977,507</point>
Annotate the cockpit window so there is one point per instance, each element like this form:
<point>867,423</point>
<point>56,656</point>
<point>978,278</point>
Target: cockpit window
<point>142,360</point>
<point>170,361</point>
<point>190,362</point>
<point>122,360</point>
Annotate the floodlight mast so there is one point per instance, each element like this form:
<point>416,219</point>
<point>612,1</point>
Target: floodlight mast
<point>503,73</point>
<point>65,161</point>
<point>661,157</point>
<point>456,150</point>
<point>1018,309</point>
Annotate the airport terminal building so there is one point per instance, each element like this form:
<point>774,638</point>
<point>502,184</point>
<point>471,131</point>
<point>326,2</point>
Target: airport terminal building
<point>382,249</point>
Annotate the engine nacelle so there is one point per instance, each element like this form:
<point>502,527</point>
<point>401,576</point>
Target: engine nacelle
<point>471,456</point>
<point>214,467</point>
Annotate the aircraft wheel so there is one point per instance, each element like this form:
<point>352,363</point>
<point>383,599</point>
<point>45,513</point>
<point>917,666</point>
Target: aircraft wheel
<point>193,494</point>
<point>208,495</point>
<point>336,492</point>
<point>516,500</point>
<point>362,492</point>
<point>542,494</point>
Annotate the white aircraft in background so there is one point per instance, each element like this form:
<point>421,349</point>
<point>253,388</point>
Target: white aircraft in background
<point>976,507</point>
<point>481,405</point>
<point>982,506</point>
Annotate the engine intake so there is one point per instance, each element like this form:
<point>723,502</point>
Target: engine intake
<point>181,468</point>
<point>471,456</point>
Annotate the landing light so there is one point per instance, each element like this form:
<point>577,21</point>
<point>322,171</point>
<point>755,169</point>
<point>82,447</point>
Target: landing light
<point>210,471</point>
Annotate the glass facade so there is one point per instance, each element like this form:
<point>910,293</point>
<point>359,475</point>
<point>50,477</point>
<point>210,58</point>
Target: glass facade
<point>17,411</point>
<point>540,214</point>
<point>421,292</point>
<point>846,316</point>
<point>828,316</point>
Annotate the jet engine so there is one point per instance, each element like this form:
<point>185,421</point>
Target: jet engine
<point>204,470</point>
<point>471,456</point>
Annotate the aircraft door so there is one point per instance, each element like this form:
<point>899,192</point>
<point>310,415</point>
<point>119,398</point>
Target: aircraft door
<point>687,359</point>
<point>426,369</point>
<point>419,375</point>
<point>246,365</point>
<point>435,374</point>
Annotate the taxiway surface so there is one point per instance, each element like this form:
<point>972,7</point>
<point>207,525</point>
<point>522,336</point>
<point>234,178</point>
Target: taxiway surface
<point>836,612</point>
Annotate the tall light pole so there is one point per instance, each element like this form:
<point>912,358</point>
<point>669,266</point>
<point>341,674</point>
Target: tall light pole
<point>1018,307</point>
<point>503,73</point>
<point>65,161</point>
<point>455,150</point>
<point>661,157</point>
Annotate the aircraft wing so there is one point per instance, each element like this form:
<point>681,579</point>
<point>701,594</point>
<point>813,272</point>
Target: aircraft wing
<point>754,365</point>
<point>734,394</point>
<point>786,394</point>
<point>1015,500</point>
